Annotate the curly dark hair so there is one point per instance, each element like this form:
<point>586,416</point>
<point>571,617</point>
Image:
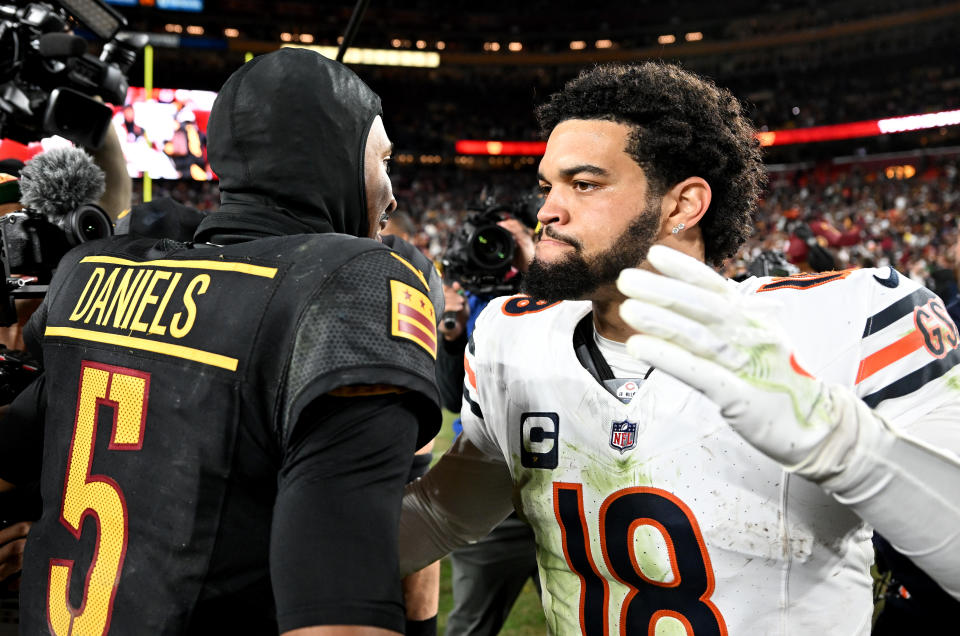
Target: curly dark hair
<point>684,126</point>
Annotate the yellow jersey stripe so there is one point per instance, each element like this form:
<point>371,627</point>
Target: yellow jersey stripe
<point>222,266</point>
<point>413,269</point>
<point>177,351</point>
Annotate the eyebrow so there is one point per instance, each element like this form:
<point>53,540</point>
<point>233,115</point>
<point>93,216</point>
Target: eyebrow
<point>574,170</point>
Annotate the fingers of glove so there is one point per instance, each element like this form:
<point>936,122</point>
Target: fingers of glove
<point>700,304</point>
<point>711,379</point>
<point>11,558</point>
<point>674,264</point>
<point>684,332</point>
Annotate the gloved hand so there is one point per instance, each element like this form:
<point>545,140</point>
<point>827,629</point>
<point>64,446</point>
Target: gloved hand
<point>730,346</point>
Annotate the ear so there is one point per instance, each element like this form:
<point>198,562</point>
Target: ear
<point>686,203</point>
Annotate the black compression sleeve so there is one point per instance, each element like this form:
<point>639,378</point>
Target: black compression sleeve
<point>21,436</point>
<point>333,547</point>
<point>450,372</point>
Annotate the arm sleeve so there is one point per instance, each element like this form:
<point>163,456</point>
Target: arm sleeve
<point>459,501</point>
<point>895,456</point>
<point>901,484</point>
<point>21,435</point>
<point>333,545</point>
<point>450,371</point>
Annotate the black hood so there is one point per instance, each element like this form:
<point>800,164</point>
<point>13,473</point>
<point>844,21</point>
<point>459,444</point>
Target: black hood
<point>286,138</point>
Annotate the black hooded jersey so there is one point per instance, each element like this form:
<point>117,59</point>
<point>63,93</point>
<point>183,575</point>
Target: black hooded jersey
<point>197,395</point>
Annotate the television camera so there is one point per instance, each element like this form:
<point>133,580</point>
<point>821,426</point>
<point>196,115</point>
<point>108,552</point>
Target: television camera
<point>47,79</point>
<point>480,252</point>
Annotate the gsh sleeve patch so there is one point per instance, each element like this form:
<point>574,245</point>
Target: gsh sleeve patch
<point>412,316</point>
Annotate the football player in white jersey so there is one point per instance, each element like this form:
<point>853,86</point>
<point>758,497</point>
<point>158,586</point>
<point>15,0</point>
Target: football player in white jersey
<point>722,472</point>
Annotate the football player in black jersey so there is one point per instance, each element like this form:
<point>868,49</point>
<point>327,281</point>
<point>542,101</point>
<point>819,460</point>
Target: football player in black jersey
<point>225,426</point>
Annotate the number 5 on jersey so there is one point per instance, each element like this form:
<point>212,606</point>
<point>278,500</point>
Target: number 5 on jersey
<point>126,391</point>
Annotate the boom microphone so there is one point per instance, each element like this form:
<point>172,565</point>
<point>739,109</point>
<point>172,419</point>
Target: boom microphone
<point>59,181</point>
<point>62,186</point>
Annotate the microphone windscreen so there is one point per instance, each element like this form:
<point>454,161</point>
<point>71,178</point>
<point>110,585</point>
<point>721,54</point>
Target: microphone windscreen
<point>60,180</point>
<point>61,45</point>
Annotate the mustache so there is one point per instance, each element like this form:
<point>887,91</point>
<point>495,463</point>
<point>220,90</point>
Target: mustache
<point>552,233</point>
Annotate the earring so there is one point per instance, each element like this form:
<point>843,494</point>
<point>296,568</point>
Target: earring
<point>676,228</point>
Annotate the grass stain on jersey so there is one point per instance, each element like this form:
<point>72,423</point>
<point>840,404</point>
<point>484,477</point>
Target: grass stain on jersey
<point>600,476</point>
<point>953,379</point>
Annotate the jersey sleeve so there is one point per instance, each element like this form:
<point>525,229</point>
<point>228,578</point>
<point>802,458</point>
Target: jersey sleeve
<point>481,398</point>
<point>909,350</point>
<point>370,329</point>
<point>333,542</point>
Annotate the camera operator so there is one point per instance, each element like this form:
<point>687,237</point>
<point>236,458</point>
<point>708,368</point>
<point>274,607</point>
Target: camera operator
<point>487,576</point>
<point>11,337</point>
<point>53,190</point>
<point>118,186</point>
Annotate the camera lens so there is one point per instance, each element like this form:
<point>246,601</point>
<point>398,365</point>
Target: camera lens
<point>88,224</point>
<point>492,248</point>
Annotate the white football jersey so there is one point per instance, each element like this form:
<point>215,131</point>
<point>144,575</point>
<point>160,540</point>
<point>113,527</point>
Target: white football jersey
<point>654,516</point>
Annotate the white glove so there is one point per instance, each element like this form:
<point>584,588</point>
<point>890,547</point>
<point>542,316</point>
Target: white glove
<point>698,328</point>
<point>730,346</point>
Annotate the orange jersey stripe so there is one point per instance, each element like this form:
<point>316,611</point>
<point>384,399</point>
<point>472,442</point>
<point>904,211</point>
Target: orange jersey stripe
<point>471,377</point>
<point>889,354</point>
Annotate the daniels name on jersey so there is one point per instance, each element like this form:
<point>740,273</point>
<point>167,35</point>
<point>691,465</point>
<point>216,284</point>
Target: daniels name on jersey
<point>655,515</point>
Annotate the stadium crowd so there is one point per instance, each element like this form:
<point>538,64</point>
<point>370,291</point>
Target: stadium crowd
<point>862,217</point>
<point>819,210</point>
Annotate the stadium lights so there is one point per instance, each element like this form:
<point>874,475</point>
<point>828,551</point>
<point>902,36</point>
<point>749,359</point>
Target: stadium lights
<point>515,46</point>
<point>396,42</point>
<point>666,39</point>
<point>441,45</point>
<point>231,33</point>
<point>194,29</point>
<point>173,28</point>
<point>306,38</point>
<point>491,46</point>
<point>421,44</point>
<point>871,128</point>
<point>578,45</point>
<point>286,37</point>
<point>377,57</point>
<point>693,36</point>
<point>483,147</point>
<point>900,173</point>
<point>919,122</point>
<point>604,44</point>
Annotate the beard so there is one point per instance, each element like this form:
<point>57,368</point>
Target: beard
<point>576,278</point>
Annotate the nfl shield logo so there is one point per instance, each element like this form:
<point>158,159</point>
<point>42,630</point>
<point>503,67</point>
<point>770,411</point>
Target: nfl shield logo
<point>623,435</point>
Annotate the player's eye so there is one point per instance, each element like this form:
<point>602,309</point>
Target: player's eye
<point>544,189</point>
<point>583,186</point>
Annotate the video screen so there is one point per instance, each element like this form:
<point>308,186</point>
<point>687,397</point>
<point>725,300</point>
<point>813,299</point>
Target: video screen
<point>165,135</point>
<point>170,5</point>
